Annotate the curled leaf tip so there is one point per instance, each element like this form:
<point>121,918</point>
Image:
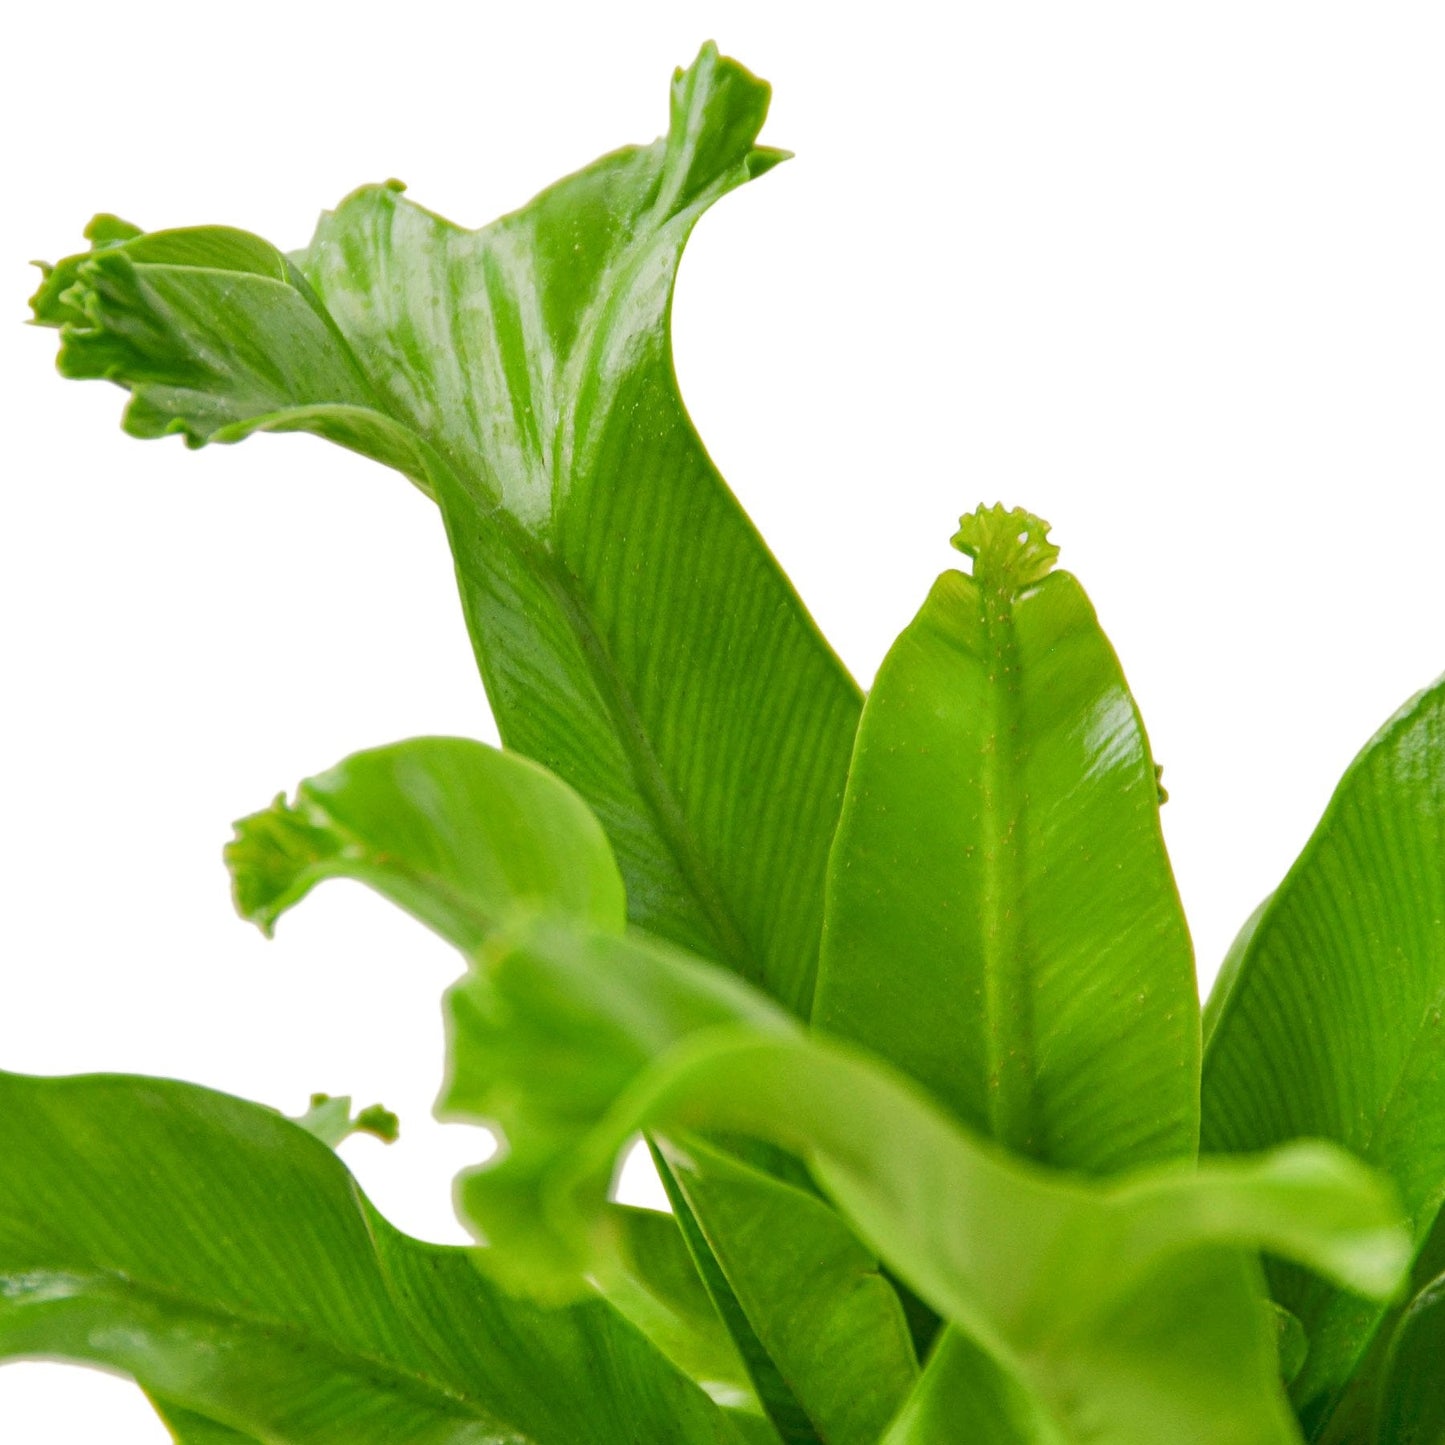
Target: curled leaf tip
<point>105,229</point>
<point>379,1122</point>
<point>331,1120</point>
<point>1010,547</point>
<point>274,859</point>
<point>1294,1345</point>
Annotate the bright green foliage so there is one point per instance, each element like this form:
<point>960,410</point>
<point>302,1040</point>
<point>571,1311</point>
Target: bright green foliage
<point>1412,1404</point>
<point>1044,1272</point>
<point>644,1268</point>
<point>851,1362</point>
<point>1330,1024</point>
<point>1376,1381</point>
<point>1294,1344</point>
<point>787,1405</point>
<point>904,1006</point>
<point>188,1428</point>
<point>1010,549</point>
<point>522,375</point>
<point>466,838</point>
<point>332,1121</point>
<point>574,1040</point>
<point>1001,918</point>
<point>457,833</point>
<point>964,1381</point>
<point>225,1259</point>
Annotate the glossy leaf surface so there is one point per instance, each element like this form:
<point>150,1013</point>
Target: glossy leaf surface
<point>813,1295</point>
<point>1412,1403</point>
<point>788,1415</point>
<point>573,1043</point>
<point>645,1270</point>
<point>634,634</point>
<point>1190,1359</point>
<point>1294,1345</point>
<point>226,1260</point>
<point>1363,1403</point>
<point>188,1428</point>
<point>1002,922</point>
<point>1228,974</point>
<point>466,837</point>
<point>459,834</point>
<point>1334,1023</point>
<point>963,1382</point>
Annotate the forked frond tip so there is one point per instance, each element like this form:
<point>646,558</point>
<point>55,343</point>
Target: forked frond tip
<point>1009,546</point>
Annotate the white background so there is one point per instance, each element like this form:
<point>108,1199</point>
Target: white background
<point>1170,276</point>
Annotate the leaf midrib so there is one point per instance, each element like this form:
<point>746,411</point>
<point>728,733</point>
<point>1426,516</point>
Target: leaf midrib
<point>649,777</point>
<point>617,696</point>
<point>1008,1030</point>
<point>648,774</point>
<point>351,1361</point>
<point>354,849</point>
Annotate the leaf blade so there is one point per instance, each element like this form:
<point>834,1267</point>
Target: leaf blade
<point>1412,1407</point>
<point>188,1428</point>
<point>815,1296</point>
<point>466,837</point>
<point>634,634</point>
<point>649,1276</point>
<point>999,851</point>
<point>1331,1026</point>
<point>459,834</point>
<point>1031,1264</point>
<point>670,620</point>
<point>1190,1359</point>
<point>226,1260</point>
